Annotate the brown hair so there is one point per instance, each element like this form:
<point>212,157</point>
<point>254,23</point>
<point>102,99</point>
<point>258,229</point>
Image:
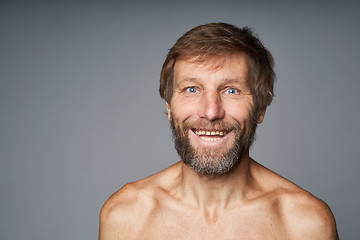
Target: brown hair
<point>211,41</point>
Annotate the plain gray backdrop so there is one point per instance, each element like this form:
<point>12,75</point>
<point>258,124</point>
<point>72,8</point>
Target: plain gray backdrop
<point>81,115</point>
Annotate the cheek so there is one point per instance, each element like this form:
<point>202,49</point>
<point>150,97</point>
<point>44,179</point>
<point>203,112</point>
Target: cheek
<point>240,114</point>
<point>183,111</point>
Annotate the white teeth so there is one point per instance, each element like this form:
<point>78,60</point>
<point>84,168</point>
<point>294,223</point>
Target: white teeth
<point>209,139</point>
<point>209,133</point>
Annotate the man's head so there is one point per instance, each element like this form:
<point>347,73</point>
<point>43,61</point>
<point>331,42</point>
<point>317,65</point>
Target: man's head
<point>210,42</point>
<point>217,81</point>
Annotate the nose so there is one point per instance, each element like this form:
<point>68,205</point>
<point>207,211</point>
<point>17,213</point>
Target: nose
<point>211,107</point>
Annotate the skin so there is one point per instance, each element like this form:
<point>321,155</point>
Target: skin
<point>250,202</point>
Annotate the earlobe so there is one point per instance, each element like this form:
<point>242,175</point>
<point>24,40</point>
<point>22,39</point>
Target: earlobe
<point>168,111</point>
<point>261,115</point>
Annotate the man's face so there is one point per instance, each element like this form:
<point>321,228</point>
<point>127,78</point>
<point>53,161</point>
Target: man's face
<point>212,113</point>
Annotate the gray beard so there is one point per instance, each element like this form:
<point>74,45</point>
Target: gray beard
<point>209,162</point>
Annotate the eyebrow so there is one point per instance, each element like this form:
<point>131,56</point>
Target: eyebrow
<point>224,81</point>
<point>189,79</point>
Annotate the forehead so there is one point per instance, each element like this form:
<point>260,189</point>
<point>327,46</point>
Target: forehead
<point>235,67</point>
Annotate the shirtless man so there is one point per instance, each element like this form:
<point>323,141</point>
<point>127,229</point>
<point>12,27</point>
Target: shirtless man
<point>217,81</point>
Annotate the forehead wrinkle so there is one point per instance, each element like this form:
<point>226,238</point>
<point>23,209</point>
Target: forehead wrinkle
<point>224,81</point>
<point>213,61</point>
<point>214,65</point>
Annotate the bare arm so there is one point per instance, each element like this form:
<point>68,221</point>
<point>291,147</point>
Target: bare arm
<point>109,226</point>
<point>123,214</point>
<point>312,219</point>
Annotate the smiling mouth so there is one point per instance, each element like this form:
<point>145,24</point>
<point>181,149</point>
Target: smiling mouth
<point>210,136</point>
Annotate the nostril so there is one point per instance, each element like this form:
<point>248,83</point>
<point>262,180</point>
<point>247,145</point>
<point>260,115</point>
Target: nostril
<point>211,108</point>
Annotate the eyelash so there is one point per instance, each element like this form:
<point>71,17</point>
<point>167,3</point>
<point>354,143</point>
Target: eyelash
<point>191,89</point>
<point>233,89</point>
<point>195,90</point>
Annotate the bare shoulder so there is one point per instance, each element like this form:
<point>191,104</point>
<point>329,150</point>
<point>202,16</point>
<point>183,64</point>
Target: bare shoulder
<point>308,217</point>
<point>127,210</point>
<point>304,215</point>
<point>118,213</point>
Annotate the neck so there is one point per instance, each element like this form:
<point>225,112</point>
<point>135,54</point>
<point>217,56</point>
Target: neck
<point>217,191</point>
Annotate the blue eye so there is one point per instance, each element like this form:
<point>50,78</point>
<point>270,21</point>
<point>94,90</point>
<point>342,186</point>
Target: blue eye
<point>231,91</point>
<point>191,90</point>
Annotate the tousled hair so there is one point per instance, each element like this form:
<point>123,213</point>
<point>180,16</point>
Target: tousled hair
<point>212,41</point>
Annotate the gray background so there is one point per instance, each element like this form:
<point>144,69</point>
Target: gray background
<point>81,115</point>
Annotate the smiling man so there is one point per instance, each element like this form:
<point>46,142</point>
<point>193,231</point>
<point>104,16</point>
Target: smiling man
<point>217,81</point>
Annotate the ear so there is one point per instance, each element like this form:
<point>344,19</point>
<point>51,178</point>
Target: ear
<point>168,111</point>
<point>261,115</point>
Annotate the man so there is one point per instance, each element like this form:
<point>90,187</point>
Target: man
<point>217,81</point>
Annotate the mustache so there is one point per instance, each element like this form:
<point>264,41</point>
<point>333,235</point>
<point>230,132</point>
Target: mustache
<point>211,125</point>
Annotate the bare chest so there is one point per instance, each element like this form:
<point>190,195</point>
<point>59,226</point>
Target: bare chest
<point>220,226</point>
